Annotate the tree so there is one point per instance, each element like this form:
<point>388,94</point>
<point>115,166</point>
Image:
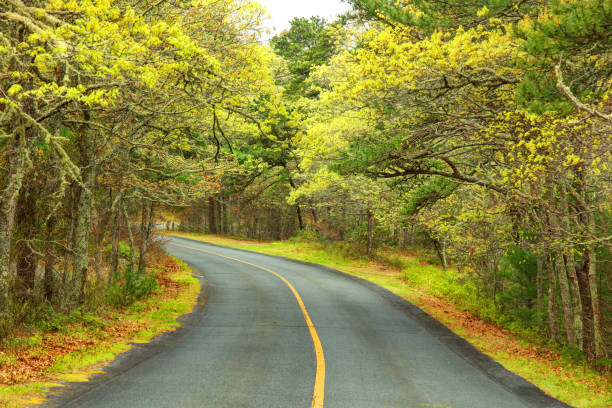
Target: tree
<point>436,84</point>
<point>105,108</point>
<point>306,45</point>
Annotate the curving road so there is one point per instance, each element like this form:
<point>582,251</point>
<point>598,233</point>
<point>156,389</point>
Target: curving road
<point>280,333</point>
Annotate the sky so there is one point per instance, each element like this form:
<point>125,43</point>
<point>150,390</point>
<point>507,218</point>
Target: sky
<point>283,11</point>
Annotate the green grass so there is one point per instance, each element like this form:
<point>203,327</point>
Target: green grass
<point>570,385</point>
<point>411,277</point>
<point>12,396</point>
<point>72,364</point>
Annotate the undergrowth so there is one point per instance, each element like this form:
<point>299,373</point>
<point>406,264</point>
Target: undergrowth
<point>71,346</point>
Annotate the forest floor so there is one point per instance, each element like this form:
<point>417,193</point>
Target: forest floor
<point>411,276</point>
<point>75,347</point>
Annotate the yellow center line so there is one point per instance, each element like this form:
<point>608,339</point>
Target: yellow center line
<point>319,385</point>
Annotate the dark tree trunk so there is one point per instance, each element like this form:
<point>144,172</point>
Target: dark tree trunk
<point>85,202</point>
<point>565,297</point>
<point>553,319</point>
<point>588,345</point>
<point>570,264</point>
<point>27,227</point>
<point>17,165</point>
<point>315,220</point>
<point>130,238</point>
<point>219,214</point>
<point>370,232</point>
<point>146,228</point>
<point>114,261</point>
<point>81,235</point>
<point>49,278</point>
<point>298,211</point>
<point>540,259</point>
<point>440,246</point>
<point>68,254</point>
<point>226,218</point>
<point>564,286</point>
<point>26,271</point>
<point>48,281</point>
<point>212,219</point>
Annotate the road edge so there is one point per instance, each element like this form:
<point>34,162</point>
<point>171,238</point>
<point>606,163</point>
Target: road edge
<point>68,394</point>
<point>523,389</point>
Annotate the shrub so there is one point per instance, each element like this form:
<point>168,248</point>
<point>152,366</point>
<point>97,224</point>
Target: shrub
<point>130,287</point>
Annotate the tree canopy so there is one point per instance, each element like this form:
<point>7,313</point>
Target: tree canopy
<point>478,130</point>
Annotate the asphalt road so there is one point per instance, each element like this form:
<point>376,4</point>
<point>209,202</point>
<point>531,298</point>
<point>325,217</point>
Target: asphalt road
<point>251,346</point>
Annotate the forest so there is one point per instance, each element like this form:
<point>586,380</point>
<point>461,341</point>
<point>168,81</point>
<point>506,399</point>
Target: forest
<point>478,131</point>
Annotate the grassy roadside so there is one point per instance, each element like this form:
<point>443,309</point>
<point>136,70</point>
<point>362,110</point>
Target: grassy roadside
<point>81,343</point>
<point>413,278</point>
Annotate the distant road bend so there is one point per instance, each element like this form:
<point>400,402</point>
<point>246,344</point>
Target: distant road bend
<point>279,333</point>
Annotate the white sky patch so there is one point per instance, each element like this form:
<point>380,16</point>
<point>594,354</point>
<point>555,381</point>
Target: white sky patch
<point>283,11</point>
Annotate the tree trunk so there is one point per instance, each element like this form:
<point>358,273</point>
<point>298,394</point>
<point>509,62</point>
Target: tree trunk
<point>68,252</point>
<point>566,302</point>
<point>144,217</point>
<point>229,219</point>
<point>495,273</point>
<point>212,219</point>
<point>146,227</point>
<point>221,219</point>
<point>588,342</point>
<point>553,319</point>
<point>600,350</point>
<point>219,211</point>
<point>315,220</point>
<point>298,210</point>
<point>114,261</point>
<point>26,271</point>
<point>258,228</point>
<point>130,238</point>
<point>540,259</point>
<point>17,165</point>
<point>27,227</point>
<point>559,265</point>
<point>81,233</point>
<point>440,246</point>
<point>574,283</point>
<point>98,263</point>
<point>48,280</point>
<point>84,206</point>
<point>370,233</point>
<point>103,219</point>
<point>572,275</point>
<point>48,277</point>
<point>443,252</point>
